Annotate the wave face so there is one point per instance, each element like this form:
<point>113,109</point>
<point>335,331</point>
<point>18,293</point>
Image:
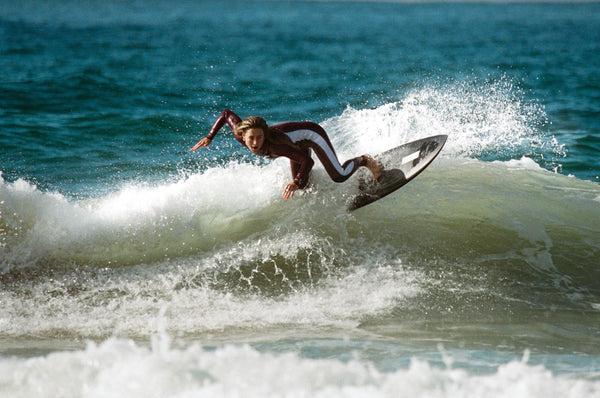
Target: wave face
<point>509,238</point>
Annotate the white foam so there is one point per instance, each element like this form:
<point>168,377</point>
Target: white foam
<point>127,303</point>
<point>524,163</point>
<point>120,368</point>
<point>136,223</point>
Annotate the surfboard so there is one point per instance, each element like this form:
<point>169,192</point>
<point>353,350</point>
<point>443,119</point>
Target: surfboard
<point>400,165</point>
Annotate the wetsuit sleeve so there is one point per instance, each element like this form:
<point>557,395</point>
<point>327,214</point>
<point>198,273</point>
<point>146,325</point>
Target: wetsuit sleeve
<point>228,117</point>
<point>302,158</point>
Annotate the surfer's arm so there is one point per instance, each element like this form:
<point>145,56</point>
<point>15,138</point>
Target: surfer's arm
<point>226,116</point>
<point>305,164</point>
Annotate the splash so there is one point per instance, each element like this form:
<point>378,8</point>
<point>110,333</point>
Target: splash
<point>134,224</point>
<point>488,120</point>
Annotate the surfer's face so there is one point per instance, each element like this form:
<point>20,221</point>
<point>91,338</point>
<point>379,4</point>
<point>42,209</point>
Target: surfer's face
<point>254,139</point>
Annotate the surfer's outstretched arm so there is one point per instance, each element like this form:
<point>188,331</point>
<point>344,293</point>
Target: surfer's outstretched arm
<point>226,116</point>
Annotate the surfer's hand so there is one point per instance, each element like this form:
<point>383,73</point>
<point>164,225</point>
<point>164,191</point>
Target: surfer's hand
<point>289,190</point>
<point>204,142</point>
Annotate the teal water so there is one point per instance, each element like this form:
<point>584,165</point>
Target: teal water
<point>130,266</point>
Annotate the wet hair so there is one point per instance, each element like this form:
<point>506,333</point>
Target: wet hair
<point>251,122</point>
<point>272,135</point>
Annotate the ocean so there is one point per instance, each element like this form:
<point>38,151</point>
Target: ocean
<point>131,266</point>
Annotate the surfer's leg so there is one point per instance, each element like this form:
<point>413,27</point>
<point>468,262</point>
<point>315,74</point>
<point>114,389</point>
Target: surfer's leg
<point>341,172</point>
<point>314,136</point>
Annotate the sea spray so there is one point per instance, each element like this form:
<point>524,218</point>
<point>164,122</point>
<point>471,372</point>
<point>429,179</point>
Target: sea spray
<point>483,118</point>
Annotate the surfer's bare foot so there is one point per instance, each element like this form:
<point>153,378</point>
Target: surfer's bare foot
<point>373,166</point>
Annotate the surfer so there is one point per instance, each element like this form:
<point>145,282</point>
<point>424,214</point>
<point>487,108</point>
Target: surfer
<point>293,140</point>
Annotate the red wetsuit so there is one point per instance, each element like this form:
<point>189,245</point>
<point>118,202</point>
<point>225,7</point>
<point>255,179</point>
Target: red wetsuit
<point>306,136</point>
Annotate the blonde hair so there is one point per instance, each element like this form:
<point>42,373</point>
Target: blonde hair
<point>251,122</point>
<point>273,135</point>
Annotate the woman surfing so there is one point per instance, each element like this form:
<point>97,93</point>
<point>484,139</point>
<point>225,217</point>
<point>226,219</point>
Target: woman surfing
<point>293,140</point>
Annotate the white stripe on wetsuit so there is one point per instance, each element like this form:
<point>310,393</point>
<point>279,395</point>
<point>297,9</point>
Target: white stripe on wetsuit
<point>309,135</point>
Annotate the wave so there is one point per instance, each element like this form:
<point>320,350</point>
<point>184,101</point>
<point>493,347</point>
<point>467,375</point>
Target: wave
<point>220,251</point>
<point>118,368</point>
<point>473,234</point>
<point>142,223</point>
<point>491,172</point>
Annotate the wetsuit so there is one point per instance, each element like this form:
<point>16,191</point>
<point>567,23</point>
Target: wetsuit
<point>304,136</point>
